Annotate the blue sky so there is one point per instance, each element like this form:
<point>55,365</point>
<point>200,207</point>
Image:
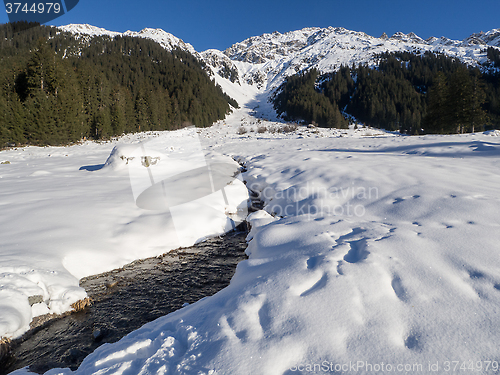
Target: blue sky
<point>220,23</point>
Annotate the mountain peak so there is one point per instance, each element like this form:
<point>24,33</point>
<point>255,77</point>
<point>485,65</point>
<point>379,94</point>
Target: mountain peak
<point>165,39</point>
<point>491,38</point>
<point>86,29</point>
<point>407,38</point>
<point>266,60</point>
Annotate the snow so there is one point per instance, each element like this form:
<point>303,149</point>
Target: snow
<point>65,215</point>
<point>166,40</point>
<point>383,250</point>
<point>494,133</point>
<point>265,61</point>
<point>87,29</point>
<point>375,252</point>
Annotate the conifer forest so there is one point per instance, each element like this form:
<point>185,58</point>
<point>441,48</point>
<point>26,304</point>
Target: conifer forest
<point>407,92</point>
<point>56,89</point>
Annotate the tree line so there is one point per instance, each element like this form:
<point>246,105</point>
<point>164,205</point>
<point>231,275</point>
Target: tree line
<point>298,99</point>
<point>57,89</point>
<point>408,92</point>
<point>493,56</point>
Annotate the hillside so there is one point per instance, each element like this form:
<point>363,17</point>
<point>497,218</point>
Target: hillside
<point>59,87</point>
<point>276,56</point>
<point>372,252</point>
<point>110,82</point>
<point>266,60</point>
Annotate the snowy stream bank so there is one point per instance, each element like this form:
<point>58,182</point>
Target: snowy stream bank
<point>383,249</point>
<point>127,298</point>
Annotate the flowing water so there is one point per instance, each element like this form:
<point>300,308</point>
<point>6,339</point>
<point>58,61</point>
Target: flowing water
<point>127,298</point>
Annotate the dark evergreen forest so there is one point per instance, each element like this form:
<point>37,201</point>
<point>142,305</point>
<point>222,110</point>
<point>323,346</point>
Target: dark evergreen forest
<point>57,89</point>
<point>412,93</point>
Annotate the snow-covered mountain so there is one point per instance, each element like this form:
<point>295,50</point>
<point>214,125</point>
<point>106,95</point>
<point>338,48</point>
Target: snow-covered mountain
<point>373,249</point>
<point>279,55</point>
<point>166,40</point>
<point>265,61</point>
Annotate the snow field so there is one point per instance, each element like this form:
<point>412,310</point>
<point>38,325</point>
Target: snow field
<point>382,251</point>
<point>67,214</point>
<point>412,282</point>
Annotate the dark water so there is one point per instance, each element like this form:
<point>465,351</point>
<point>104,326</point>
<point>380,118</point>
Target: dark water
<point>127,298</point>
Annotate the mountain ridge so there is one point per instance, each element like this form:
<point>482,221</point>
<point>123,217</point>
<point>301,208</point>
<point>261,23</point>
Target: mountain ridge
<point>266,60</point>
<point>165,39</point>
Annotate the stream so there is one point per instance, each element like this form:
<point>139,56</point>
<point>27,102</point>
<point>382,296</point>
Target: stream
<point>127,298</point>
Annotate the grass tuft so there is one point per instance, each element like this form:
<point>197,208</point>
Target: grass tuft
<point>82,304</point>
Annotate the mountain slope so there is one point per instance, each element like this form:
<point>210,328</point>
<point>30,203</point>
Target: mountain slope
<point>57,87</point>
<point>279,55</point>
<point>265,61</point>
<point>166,40</point>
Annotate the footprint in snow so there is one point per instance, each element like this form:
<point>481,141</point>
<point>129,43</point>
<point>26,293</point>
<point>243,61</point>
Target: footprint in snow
<point>398,288</point>
<point>354,232</point>
<point>414,342</point>
<point>358,251</point>
<point>314,261</point>
<point>475,274</point>
<point>399,200</point>
<point>339,268</point>
<point>310,285</point>
<point>321,283</point>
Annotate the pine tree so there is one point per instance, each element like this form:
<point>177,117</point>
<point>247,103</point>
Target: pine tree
<point>41,71</point>
<point>477,99</point>
<point>460,91</point>
<point>117,110</point>
<point>438,117</point>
